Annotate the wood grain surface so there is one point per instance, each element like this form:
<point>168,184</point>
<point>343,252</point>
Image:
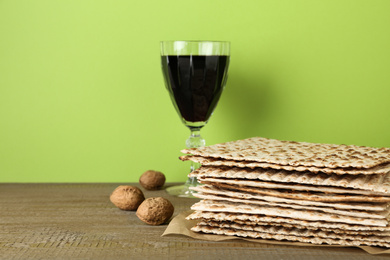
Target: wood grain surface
<point>78,221</point>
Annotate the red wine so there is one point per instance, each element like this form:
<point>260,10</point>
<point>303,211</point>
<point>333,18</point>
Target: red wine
<point>195,83</point>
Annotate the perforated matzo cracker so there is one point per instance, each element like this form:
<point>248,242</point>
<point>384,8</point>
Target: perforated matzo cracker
<point>209,161</point>
<point>215,206</point>
<point>374,182</point>
<point>274,151</point>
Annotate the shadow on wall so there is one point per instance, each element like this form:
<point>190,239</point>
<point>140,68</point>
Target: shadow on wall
<point>250,105</point>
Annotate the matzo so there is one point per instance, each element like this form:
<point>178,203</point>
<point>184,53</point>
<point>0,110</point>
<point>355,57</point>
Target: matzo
<point>208,189</point>
<point>291,153</point>
<point>353,213</point>
<point>293,187</point>
<point>376,182</point>
<point>284,235</point>
<point>299,231</point>
<point>209,161</point>
<point>213,222</point>
<point>215,206</point>
<point>313,196</point>
<point>283,221</point>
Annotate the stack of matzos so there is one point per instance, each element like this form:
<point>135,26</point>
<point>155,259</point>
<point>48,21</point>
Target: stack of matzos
<point>293,191</point>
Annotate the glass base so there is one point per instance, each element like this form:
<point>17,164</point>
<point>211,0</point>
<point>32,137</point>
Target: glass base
<point>180,191</point>
<point>183,190</point>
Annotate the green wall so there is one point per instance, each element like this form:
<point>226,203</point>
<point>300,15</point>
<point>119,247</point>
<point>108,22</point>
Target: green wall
<point>82,96</point>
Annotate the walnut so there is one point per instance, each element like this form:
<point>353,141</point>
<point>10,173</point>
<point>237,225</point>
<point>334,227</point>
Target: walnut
<point>127,197</point>
<point>155,211</point>
<point>152,180</point>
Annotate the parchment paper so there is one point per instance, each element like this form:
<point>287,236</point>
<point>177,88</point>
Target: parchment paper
<point>180,226</point>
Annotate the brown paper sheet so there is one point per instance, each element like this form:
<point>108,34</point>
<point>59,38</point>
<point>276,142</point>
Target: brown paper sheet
<point>180,226</point>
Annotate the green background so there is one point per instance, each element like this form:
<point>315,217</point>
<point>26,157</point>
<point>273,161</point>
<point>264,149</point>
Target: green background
<point>82,96</point>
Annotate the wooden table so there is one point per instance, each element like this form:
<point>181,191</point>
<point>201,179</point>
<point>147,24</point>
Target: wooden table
<point>78,221</point>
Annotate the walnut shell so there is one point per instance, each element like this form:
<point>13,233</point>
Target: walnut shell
<point>127,197</point>
<point>155,211</point>
<point>152,180</point>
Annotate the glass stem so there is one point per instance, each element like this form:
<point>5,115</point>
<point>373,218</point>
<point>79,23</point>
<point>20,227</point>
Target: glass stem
<point>194,141</point>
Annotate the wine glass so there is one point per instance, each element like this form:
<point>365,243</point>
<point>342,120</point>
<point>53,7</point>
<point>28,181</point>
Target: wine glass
<point>195,74</point>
